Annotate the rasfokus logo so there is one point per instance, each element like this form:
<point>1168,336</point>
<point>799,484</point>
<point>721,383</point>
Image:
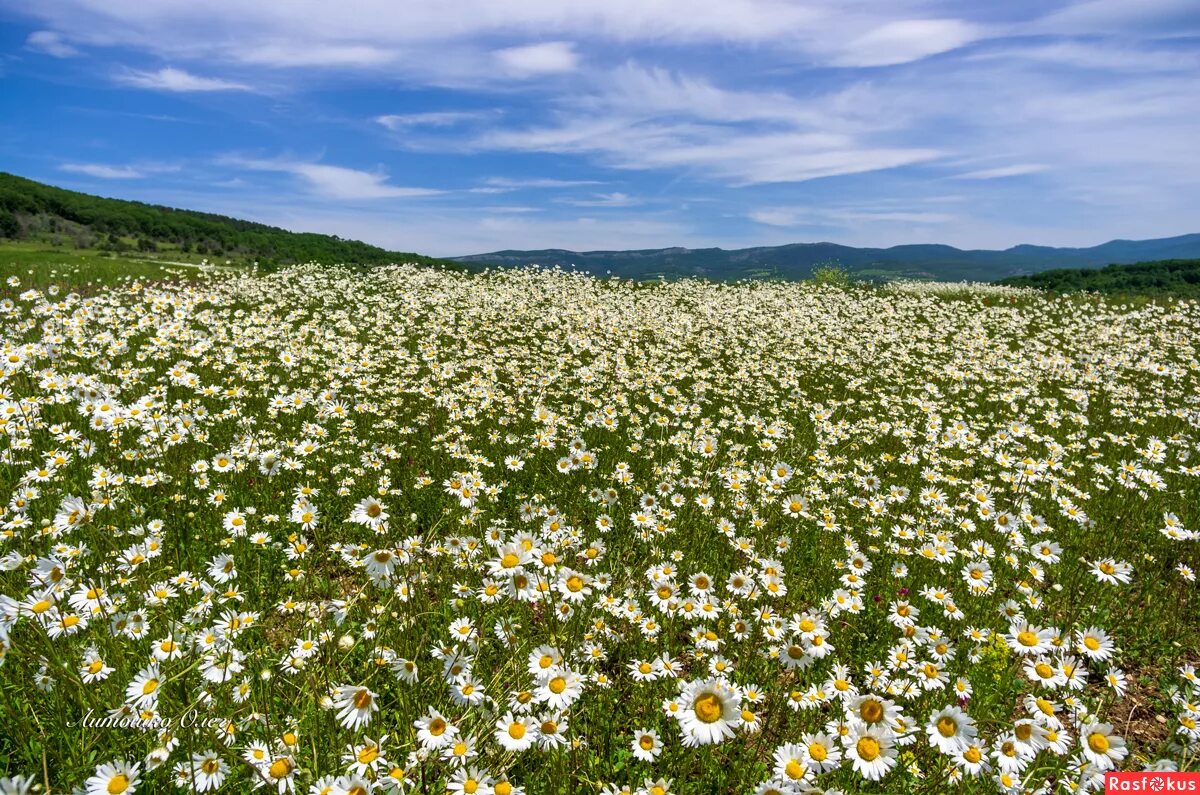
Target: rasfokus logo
<point>1152,782</point>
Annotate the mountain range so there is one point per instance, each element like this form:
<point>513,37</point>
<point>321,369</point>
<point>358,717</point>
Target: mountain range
<point>797,260</point>
<point>35,212</point>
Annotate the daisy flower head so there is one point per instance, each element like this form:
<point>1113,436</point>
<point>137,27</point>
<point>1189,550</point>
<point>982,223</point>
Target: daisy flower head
<point>355,705</point>
<point>710,708</point>
<point>113,778</point>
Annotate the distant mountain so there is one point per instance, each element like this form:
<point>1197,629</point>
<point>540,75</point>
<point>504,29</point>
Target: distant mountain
<point>32,211</point>
<point>797,260</point>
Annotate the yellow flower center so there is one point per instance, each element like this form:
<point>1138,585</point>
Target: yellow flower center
<point>368,755</point>
<point>1098,742</point>
<point>794,770</point>
<point>362,699</point>
<point>1027,638</point>
<point>973,755</point>
<point>818,752</point>
<point>646,742</point>
<point>516,730</point>
<point>280,768</point>
<point>708,707</point>
<point>118,784</point>
<point>557,685</point>
<point>947,726</point>
<point>871,711</point>
<point>868,748</point>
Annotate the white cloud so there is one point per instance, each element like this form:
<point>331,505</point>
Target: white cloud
<point>334,182</point>
<point>614,199</point>
<point>103,171</point>
<point>538,182</point>
<point>52,43</point>
<point>172,79</point>
<point>404,121</point>
<point>743,157</point>
<point>907,40</point>
<point>1017,170</point>
<point>824,216</point>
<point>108,171</point>
<point>549,57</point>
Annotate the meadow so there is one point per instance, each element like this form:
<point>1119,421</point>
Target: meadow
<point>411,530</point>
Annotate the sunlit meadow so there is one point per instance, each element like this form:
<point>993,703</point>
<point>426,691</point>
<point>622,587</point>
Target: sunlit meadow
<point>412,530</point>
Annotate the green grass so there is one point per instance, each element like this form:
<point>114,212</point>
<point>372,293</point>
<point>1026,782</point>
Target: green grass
<point>40,265</point>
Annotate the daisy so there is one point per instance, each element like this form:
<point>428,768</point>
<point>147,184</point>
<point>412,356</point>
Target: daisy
<point>113,778</point>
<point>434,731</point>
<point>871,751</point>
<point>1095,644</point>
<point>208,770</point>
<point>820,752</point>
<point>470,781</point>
<point>1100,746</point>
<point>515,732</point>
<point>789,764</point>
<point>354,705</point>
<point>950,730</point>
<point>646,745</point>
<point>559,689</point>
<point>709,710</point>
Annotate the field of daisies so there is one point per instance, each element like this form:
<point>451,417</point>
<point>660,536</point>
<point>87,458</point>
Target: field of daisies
<point>413,530</point>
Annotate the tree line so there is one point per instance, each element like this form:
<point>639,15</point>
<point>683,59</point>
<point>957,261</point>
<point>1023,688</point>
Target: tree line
<point>1173,277</point>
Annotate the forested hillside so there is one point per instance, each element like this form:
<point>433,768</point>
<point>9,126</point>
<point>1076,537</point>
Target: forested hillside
<point>33,211</point>
<point>1176,277</point>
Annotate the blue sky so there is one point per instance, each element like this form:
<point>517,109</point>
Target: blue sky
<point>476,125</point>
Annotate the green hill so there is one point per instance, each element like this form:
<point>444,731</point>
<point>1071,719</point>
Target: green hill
<point>1173,277</point>
<point>33,211</point>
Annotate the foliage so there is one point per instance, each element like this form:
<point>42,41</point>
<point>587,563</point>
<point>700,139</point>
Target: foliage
<point>1176,277</point>
<point>831,274</point>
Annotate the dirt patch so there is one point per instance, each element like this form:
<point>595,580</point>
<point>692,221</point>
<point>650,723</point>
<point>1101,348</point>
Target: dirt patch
<point>1138,717</point>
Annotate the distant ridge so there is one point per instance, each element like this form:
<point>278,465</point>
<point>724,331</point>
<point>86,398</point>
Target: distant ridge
<point>797,260</point>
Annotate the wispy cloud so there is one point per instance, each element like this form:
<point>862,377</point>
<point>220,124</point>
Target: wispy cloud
<point>509,183</point>
<point>1000,172</point>
<point>333,182</point>
<point>178,80</point>
<point>614,199</point>
<point>107,171</point>
<point>822,216</point>
<point>52,43</point>
<point>549,57</point>
<point>907,40</point>
<point>405,121</point>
